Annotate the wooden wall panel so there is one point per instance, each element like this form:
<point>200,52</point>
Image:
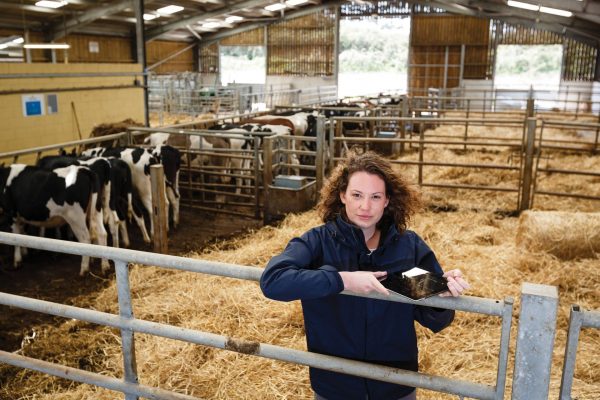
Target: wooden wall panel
<point>209,59</point>
<point>255,37</point>
<point>436,30</point>
<point>579,61</point>
<point>110,49</point>
<point>515,34</point>
<point>434,36</point>
<point>158,50</point>
<point>302,46</point>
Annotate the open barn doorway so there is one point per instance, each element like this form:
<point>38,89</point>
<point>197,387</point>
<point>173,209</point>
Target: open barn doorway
<point>526,66</point>
<point>521,69</point>
<point>242,65</point>
<point>373,56</point>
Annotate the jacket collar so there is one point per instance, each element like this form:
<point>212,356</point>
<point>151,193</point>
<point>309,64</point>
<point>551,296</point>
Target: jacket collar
<point>351,235</point>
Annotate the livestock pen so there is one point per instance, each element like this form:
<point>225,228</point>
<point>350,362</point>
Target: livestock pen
<point>467,228</point>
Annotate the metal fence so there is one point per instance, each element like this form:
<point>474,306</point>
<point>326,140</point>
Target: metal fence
<point>566,99</point>
<point>578,320</point>
<point>190,97</point>
<point>391,136</point>
<point>129,325</point>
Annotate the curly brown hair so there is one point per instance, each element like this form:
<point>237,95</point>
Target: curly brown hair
<point>404,200</point>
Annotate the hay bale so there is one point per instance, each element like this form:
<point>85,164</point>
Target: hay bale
<point>566,235</point>
<point>105,129</point>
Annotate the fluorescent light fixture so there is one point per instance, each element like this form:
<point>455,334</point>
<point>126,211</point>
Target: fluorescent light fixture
<point>526,6</point>
<point>211,25</point>
<point>3,46</point>
<point>50,3</point>
<point>275,7</point>
<point>535,7</point>
<point>169,9</point>
<point>46,46</point>
<point>295,2</point>
<point>18,40</point>
<point>150,17</point>
<point>233,18</point>
<point>556,11</point>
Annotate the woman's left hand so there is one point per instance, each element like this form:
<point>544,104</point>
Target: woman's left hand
<point>456,283</point>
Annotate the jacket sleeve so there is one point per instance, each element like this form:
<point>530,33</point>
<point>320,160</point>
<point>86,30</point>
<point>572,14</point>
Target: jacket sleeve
<point>433,318</point>
<point>292,274</point>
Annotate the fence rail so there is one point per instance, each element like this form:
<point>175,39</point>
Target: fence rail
<point>578,319</point>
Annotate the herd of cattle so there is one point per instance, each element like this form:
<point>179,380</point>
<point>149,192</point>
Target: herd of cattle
<point>86,192</point>
<point>106,187</point>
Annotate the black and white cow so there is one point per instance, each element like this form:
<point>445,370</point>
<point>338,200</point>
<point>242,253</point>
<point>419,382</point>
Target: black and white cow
<point>32,195</point>
<point>115,189</point>
<point>139,161</point>
<point>168,156</point>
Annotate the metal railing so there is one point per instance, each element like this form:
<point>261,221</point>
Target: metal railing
<point>129,325</point>
<point>528,146</point>
<point>77,144</point>
<point>318,95</point>
<point>423,141</point>
<point>578,319</point>
<point>191,98</point>
<point>494,99</point>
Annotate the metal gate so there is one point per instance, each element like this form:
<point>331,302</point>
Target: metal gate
<point>129,325</point>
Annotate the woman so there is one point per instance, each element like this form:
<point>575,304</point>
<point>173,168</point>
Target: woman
<point>366,207</point>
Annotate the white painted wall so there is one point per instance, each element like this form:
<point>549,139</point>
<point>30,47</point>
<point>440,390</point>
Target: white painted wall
<point>596,97</point>
<point>475,89</point>
<point>574,91</point>
<point>300,82</point>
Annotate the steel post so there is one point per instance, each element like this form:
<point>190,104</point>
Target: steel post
<point>535,342</point>
<point>525,201</point>
<point>319,155</point>
<point>127,336</point>
<point>566,382</point>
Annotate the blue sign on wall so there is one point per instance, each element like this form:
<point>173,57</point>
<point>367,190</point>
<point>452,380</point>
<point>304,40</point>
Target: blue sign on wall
<point>33,108</point>
<point>33,104</point>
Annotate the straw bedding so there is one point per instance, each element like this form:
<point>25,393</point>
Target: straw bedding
<point>477,236</point>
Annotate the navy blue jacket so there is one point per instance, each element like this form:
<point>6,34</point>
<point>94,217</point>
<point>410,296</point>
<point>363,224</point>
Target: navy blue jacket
<point>358,328</point>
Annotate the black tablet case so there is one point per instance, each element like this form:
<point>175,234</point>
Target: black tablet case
<point>416,287</point>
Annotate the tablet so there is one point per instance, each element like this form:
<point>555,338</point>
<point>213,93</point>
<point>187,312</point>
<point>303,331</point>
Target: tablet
<point>415,287</point>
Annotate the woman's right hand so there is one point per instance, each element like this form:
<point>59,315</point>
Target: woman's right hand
<point>364,282</point>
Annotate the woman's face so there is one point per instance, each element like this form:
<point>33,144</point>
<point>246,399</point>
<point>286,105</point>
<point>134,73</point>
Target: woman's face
<point>365,200</point>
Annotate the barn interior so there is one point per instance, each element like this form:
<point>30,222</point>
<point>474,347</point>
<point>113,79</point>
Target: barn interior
<point>510,177</point>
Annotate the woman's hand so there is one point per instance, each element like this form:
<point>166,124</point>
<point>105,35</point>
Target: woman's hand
<point>456,283</point>
<point>364,282</point>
